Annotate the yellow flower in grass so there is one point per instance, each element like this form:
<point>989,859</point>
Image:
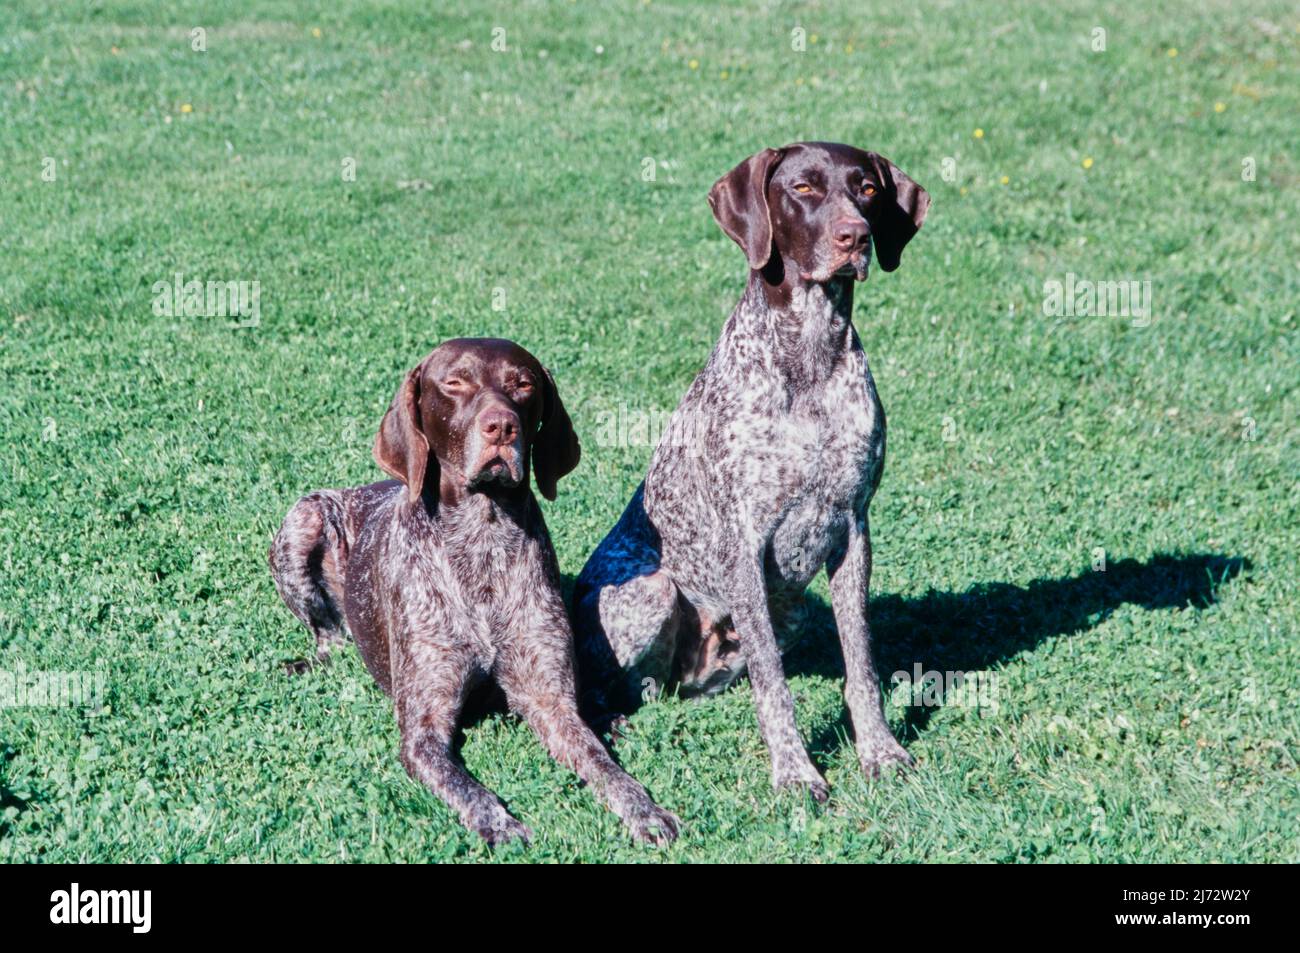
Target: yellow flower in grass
<point>1005,180</point>
<point>316,32</point>
<point>979,133</point>
<point>186,108</point>
<point>694,64</point>
<point>1220,107</point>
<point>1171,52</point>
<point>1087,162</point>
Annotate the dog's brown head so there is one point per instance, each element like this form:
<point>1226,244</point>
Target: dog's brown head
<point>820,207</point>
<point>477,410</point>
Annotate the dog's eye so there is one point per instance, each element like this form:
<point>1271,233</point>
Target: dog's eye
<point>803,188</point>
<point>453,383</point>
<point>524,385</point>
<point>868,188</point>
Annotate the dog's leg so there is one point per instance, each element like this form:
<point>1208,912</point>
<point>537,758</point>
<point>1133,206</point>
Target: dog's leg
<point>850,578</point>
<point>791,766</point>
<point>308,560</point>
<point>538,679</point>
<point>429,701</point>
<point>625,634</point>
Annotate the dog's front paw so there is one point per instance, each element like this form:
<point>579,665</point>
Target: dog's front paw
<point>814,784</point>
<point>884,758</point>
<point>651,824</point>
<point>495,825</point>
<point>612,725</point>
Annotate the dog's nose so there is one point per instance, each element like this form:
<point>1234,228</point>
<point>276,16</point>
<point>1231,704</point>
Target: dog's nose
<point>850,234</point>
<point>499,427</point>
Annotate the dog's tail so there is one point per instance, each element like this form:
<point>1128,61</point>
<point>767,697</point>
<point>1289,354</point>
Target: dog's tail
<point>309,558</point>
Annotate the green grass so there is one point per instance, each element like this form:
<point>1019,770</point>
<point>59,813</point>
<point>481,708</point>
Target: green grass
<point>1147,713</point>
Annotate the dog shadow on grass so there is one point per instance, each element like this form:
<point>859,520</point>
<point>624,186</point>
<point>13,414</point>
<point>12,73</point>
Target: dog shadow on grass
<point>971,631</point>
<point>991,623</point>
<point>11,805</point>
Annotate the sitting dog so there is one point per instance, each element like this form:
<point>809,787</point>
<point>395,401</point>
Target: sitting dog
<point>445,576</point>
<point>765,470</point>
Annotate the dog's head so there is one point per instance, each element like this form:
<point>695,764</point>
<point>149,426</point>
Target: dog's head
<point>476,411</point>
<point>819,207</point>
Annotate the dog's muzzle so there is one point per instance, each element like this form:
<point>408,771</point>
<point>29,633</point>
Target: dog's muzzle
<point>495,451</point>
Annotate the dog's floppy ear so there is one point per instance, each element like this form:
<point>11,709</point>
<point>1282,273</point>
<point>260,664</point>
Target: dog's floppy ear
<point>555,449</point>
<point>739,203</point>
<point>900,214</point>
<point>401,449</point>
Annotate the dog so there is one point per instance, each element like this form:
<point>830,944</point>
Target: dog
<point>765,471</point>
<point>445,575</point>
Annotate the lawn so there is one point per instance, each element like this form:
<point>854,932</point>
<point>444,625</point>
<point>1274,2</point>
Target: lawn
<point>1096,515</point>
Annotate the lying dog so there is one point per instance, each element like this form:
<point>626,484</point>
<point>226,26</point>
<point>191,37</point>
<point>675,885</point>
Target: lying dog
<point>765,471</point>
<point>445,576</point>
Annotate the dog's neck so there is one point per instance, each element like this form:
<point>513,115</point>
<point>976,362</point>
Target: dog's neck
<point>782,289</point>
<point>809,324</point>
<point>452,502</point>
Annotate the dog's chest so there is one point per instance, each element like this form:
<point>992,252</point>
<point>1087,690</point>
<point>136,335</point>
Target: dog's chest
<point>466,588</point>
<point>775,444</point>
<point>834,449</point>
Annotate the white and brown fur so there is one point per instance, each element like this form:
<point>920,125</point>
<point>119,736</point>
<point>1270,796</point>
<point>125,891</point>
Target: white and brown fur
<point>446,577</point>
<point>766,469</point>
